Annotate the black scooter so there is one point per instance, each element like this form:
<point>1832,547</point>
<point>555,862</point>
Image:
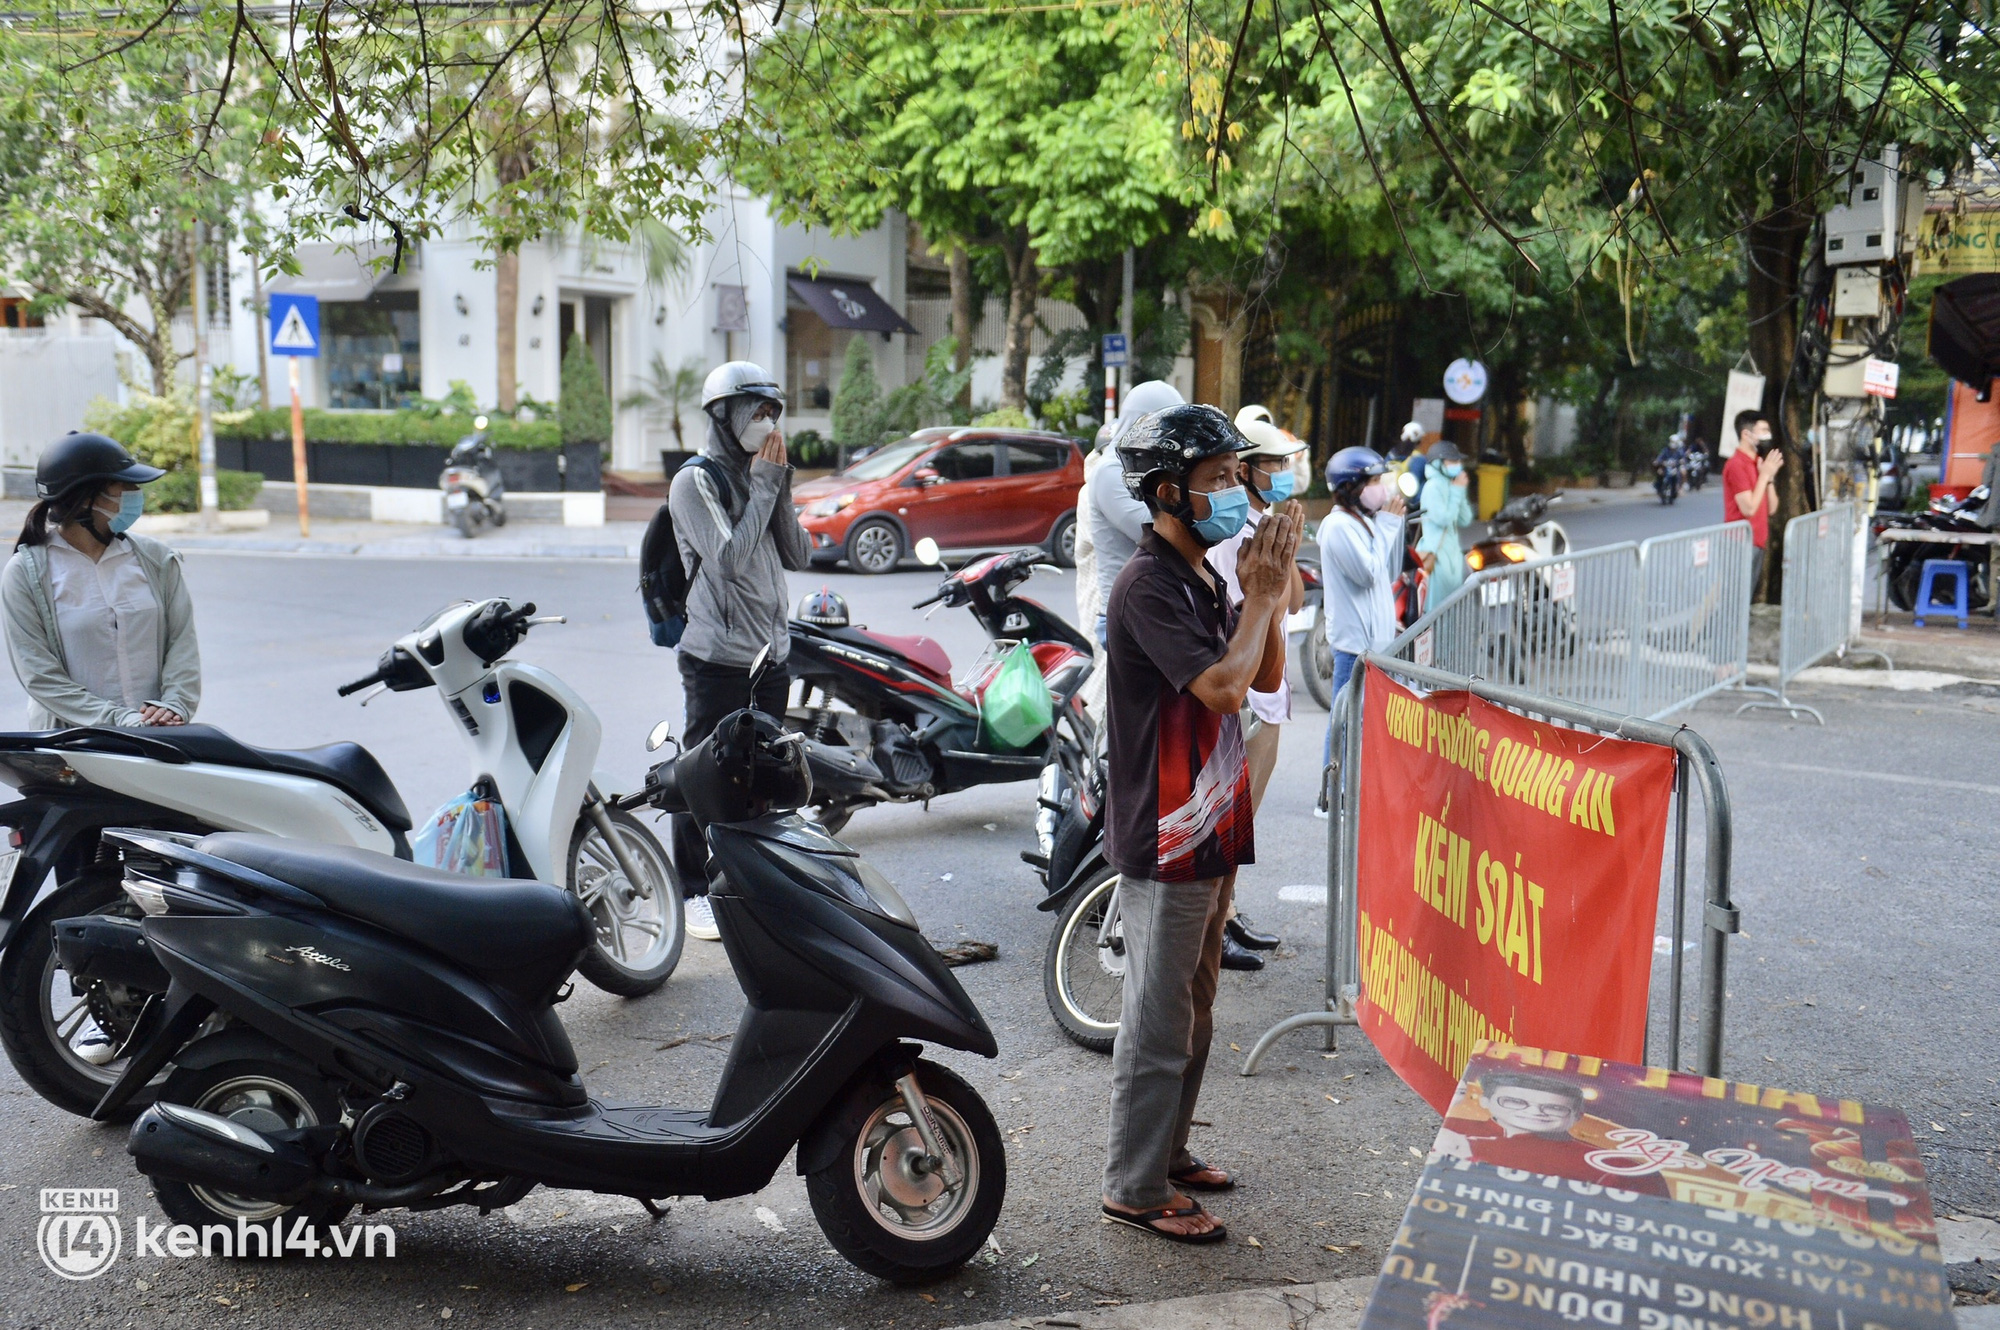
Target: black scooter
<point>392,1037</point>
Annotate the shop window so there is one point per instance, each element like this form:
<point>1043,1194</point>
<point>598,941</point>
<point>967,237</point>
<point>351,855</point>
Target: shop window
<point>14,313</point>
<point>814,357</point>
<point>371,351</point>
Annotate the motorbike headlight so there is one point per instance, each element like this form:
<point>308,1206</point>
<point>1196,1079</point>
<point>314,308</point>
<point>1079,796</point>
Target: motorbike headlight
<point>851,878</point>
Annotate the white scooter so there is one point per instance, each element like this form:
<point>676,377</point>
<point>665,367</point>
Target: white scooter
<point>533,745</point>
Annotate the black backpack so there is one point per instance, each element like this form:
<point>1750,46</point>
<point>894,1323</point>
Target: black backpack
<point>663,581</point>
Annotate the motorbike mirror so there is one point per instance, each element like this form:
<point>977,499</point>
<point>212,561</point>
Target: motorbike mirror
<point>757,665</point>
<point>479,422</point>
<point>1408,484</point>
<point>659,736</point>
<point>927,553</point>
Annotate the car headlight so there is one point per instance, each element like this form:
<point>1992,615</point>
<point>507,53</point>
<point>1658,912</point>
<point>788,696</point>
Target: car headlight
<point>828,507</point>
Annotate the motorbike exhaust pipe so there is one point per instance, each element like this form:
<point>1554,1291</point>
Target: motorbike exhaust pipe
<point>184,1144</point>
<point>106,947</point>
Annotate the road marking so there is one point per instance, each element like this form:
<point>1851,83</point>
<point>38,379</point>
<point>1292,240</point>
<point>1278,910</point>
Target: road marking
<point>1893,777</point>
<point>1306,893</point>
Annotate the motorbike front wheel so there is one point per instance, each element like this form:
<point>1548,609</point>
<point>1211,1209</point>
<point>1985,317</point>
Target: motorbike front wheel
<point>1083,973</point>
<point>880,1206</point>
<point>640,926</point>
<point>60,1041</point>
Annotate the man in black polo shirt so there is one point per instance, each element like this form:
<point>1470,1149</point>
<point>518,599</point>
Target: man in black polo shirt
<point>1180,662</point>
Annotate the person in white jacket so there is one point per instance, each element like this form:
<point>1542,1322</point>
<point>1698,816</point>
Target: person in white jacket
<point>1117,520</point>
<point>1360,554</point>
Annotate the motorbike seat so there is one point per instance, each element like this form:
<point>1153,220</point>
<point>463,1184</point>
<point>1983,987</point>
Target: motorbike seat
<point>521,935</point>
<point>347,767</point>
<point>924,655</point>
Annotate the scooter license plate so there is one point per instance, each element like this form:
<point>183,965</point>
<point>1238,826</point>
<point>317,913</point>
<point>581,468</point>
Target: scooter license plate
<point>457,499</point>
<point>9,861</point>
<point>1497,593</point>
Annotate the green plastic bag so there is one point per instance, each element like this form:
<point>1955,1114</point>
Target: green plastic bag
<point>1015,710</point>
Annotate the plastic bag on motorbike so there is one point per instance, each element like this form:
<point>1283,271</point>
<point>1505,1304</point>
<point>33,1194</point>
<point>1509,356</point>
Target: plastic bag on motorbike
<point>465,835</point>
<point>1015,710</point>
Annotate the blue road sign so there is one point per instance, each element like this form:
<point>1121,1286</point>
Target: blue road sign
<point>1114,350</point>
<point>294,325</point>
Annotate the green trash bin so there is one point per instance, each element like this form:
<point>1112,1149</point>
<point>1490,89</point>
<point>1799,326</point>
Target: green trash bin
<point>1492,489</point>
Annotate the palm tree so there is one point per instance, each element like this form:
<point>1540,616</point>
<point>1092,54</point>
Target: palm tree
<point>668,390</point>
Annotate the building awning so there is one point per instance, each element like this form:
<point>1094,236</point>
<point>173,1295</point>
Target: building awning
<point>338,272</point>
<point>1965,329</point>
<point>845,304</point>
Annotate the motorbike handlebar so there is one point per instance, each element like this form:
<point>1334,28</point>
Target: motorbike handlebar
<point>365,681</point>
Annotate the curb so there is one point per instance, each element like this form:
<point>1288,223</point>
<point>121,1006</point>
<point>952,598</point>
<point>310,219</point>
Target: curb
<point>395,548</point>
<point>1336,1305</point>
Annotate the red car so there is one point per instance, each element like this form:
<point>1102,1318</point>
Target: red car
<point>965,487</point>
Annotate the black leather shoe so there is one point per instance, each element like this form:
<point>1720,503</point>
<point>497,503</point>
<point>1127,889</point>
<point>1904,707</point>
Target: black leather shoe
<point>1235,957</point>
<point>1239,931</point>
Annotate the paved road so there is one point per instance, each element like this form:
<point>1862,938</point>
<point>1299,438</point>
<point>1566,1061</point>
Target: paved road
<point>1864,873</point>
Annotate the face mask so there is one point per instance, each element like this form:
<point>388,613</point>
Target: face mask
<point>130,504</point>
<point>1764,446</point>
<point>1281,489</point>
<point>1452,470</point>
<point>1373,496</point>
<point>1228,510</point>
<point>755,433</point>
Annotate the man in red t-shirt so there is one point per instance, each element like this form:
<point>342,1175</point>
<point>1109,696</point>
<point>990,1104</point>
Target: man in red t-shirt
<point>1746,484</point>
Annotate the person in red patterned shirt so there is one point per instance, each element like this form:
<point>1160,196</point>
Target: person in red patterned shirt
<point>1181,659</point>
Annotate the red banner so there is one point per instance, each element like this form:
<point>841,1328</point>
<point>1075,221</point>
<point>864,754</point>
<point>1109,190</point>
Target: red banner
<point>1510,875</point>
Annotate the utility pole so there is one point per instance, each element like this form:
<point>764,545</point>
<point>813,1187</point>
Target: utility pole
<point>204,386</point>
<point>1125,321</point>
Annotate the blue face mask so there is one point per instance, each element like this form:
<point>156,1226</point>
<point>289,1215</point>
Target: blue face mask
<point>1451,469</point>
<point>1281,489</point>
<point>130,504</point>
<point>1228,510</point>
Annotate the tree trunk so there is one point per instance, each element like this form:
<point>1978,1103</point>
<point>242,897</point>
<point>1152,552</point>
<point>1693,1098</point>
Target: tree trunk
<point>1776,243</point>
<point>962,326</point>
<point>1023,285</point>
<point>507,318</point>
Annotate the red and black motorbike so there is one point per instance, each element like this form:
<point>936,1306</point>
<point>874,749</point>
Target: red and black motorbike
<point>885,723</point>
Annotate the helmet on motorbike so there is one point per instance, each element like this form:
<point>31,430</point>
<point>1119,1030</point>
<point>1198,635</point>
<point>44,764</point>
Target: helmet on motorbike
<point>824,608</point>
<point>1413,433</point>
<point>80,459</point>
<point>740,378</point>
<point>1144,399</point>
<point>1266,438</point>
<point>1354,464</point>
<point>1168,444</point>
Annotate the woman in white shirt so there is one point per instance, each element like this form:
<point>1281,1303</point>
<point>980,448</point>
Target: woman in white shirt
<point>1360,554</point>
<point>99,624</point>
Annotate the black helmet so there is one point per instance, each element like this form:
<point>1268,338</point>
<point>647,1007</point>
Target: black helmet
<point>825,608</point>
<point>1168,443</point>
<point>78,459</point>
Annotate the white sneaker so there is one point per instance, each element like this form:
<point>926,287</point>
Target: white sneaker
<point>1319,811</point>
<point>701,920</point>
<point>95,1047</point>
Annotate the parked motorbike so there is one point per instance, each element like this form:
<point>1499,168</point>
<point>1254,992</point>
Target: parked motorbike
<point>1083,969</point>
<point>883,720</point>
<point>398,1043</point>
<point>475,496</point>
<point>67,1031</point>
<point>534,741</point>
<point>1906,558</point>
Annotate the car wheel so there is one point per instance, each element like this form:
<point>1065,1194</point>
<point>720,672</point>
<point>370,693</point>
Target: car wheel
<point>874,546</point>
<point>1062,541</point>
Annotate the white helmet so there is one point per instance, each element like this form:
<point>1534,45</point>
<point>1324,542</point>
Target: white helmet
<point>1267,439</point>
<point>1144,399</point>
<point>740,378</point>
<point>1413,433</point>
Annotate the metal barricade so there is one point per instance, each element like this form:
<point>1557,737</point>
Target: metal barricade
<point>1817,616</point>
<point>1555,627</point>
<point>1692,619</point>
<point>1697,766</point>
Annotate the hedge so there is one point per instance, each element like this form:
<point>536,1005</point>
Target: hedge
<point>177,491</point>
<point>388,427</point>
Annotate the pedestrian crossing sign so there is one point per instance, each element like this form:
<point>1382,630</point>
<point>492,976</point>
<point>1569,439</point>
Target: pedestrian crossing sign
<point>294,325</point>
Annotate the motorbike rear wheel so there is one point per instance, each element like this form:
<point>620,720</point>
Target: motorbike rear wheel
<point>44,1025</point>
<point>1083,972</point>
<point>878,1206</point>
<point>1316,661</point>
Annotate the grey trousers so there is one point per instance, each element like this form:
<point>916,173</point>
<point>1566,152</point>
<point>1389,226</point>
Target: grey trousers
<point>1173,958</point>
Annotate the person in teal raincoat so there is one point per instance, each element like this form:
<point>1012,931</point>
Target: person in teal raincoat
<point>1447,510</point>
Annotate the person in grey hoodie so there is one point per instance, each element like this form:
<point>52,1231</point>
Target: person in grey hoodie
<point>1117,520</point>
<point>738,533</point>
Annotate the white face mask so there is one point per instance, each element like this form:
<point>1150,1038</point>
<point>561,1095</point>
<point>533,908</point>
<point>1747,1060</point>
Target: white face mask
<point>755,433</point>
<point>1374,495</point>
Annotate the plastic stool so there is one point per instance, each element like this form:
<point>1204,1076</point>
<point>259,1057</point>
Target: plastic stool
<point>1933,569</point>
